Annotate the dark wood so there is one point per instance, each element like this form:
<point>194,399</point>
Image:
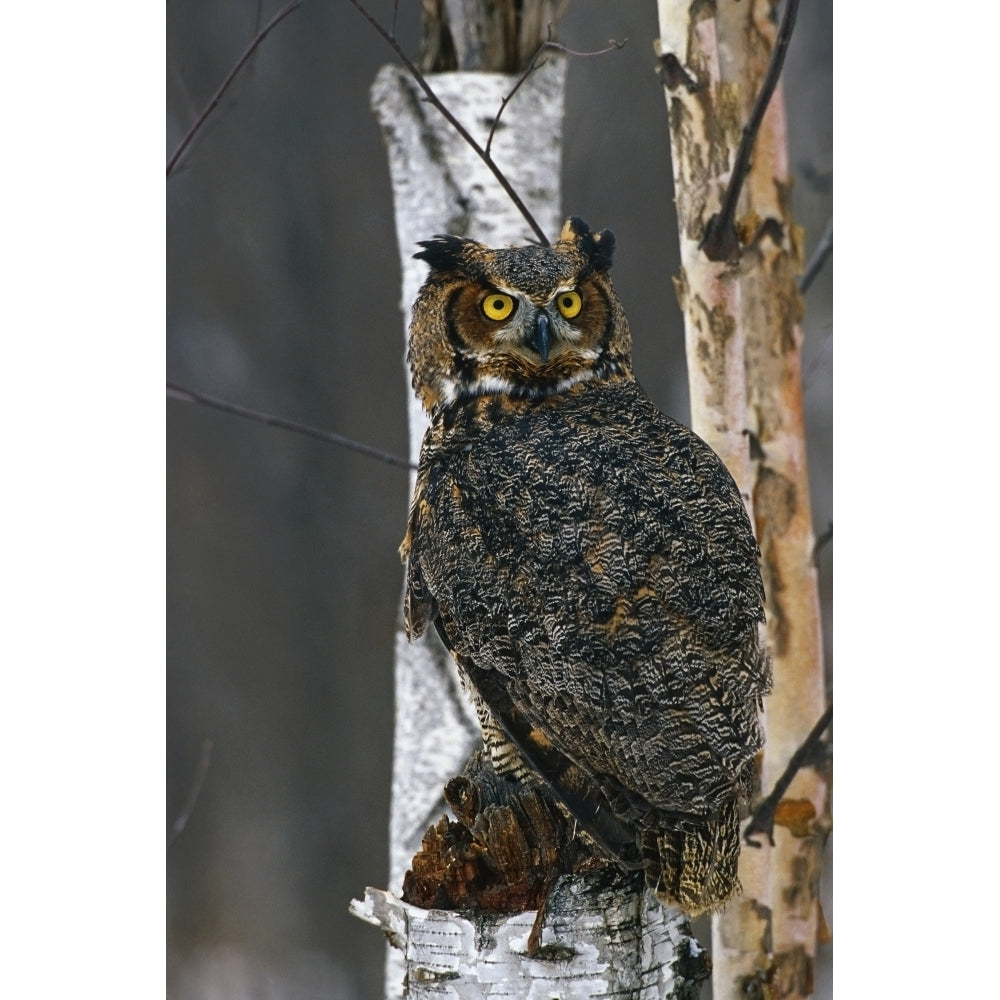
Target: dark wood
<point>506,846</point>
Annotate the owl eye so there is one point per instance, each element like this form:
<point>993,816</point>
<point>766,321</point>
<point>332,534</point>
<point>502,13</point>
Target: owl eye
<point>569,303</point>
<point>497,306</point>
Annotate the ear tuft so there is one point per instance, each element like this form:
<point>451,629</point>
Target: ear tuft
<point>443,252</point>
<point>573,230</point>
<point>598,248</point>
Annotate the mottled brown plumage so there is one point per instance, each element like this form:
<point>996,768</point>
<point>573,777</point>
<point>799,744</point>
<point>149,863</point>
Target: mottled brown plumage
<point>587,560</point>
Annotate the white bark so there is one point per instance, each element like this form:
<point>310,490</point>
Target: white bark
<point>595,943</point>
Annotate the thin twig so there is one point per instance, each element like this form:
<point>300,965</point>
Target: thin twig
<point>195,790</point>
<point>175,391</point>
<point>819,257</point>
<point>213,103</point>
<point>720,241</point>
<point>612,46</point>
<point>454,122</point>
<point>762,820</point>
<point>535,64</point>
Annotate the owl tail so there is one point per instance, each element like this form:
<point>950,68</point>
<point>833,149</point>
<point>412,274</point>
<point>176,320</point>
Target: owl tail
<point>694,868</point>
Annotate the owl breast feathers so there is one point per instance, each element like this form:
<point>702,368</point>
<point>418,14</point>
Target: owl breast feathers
<point>587,560</point>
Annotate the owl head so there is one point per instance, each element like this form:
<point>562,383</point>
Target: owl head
<point>527,322</point>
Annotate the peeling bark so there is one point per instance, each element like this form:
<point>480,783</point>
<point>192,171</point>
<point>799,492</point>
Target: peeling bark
<point>506,847</point>
<point>596,942</point>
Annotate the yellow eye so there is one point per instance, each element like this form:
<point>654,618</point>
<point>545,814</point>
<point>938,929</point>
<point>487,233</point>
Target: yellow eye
<point>569,303</point>
<point>497,306</point>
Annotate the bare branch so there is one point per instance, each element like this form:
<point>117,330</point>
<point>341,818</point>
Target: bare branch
<point>762,820</point>
<point>720,241</point>
<point>613,46</point>
<point>188,396</point>
<point>453,121</point>
<point>199,779</point>
<point>213,103</point>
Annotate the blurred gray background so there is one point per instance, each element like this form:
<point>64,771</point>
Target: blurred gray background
<point>283,574</point>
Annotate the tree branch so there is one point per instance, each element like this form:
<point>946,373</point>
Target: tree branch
<point>175,391</point>
<point>454,122</point>
<point>721,241</point>
<point>762,820</point>
<point>213,103</point>
<point>534,64</point>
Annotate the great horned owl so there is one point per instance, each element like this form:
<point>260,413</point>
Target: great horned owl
<point>587,560</point>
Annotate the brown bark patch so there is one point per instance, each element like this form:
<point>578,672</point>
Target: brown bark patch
<point>503,851</point>
<point>796,815</point>
<point>793,973</point>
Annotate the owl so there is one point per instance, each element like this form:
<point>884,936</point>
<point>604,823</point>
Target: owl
<point>587,561</point>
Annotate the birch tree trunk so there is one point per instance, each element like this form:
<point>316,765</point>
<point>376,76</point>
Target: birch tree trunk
<point>772,309</point>
<point>596,942</point>
<point>596,938</point>
<point>743,340</point>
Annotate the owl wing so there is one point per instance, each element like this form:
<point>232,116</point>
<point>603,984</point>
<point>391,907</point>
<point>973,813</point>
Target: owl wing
<point>590,564</point>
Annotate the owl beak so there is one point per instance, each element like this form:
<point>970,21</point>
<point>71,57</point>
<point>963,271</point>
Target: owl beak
<point>541,337</point>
